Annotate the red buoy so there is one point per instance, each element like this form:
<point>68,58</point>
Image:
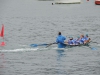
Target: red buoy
<point>2,44</point>
<point>97,2</point>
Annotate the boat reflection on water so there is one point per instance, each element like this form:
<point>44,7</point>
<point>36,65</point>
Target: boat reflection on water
<point>60,54</point>
<point>60,62</point>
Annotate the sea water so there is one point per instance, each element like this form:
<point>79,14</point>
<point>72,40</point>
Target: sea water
<point>36,22</point>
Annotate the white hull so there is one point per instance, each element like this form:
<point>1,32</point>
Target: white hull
<point>67,1</point>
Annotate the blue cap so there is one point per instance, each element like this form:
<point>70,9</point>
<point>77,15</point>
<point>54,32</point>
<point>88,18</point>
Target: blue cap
<point>78,37</point>
<point>86,34</point>
<point>71,37</point>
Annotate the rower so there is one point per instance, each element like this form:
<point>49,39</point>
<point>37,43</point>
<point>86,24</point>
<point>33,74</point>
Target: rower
<point>82,39</point>
<point>87,39</point>
<point>71,41</point>
<point>60,40</point>
<point>77,41</point>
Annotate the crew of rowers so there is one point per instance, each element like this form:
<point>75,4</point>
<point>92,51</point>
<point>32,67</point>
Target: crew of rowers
<point>80,40</point>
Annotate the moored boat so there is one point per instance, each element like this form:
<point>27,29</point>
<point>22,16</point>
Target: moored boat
<point>97,2</point>
<point>67,1</point>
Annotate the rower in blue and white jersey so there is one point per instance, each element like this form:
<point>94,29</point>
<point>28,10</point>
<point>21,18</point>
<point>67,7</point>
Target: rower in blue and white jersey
<point>77,41</point>
<point>82,39</point>
<point>71,41</point>
<point>87,39</point>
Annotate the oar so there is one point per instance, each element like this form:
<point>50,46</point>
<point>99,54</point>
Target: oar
<point>35,45</point>
<point>92,48</point>
<point>50,44</point>
<point>94,42</point>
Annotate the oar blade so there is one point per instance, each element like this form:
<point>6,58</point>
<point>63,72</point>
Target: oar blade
<point>33,45</point>
<point>93,48</point>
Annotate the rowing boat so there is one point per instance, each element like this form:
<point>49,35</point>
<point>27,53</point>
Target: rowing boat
<point>61,45</point>
<point>87,44</point>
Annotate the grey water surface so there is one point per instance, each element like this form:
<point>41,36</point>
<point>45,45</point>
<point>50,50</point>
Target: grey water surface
<point>36,22</point>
